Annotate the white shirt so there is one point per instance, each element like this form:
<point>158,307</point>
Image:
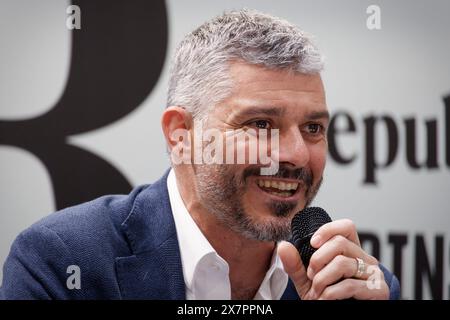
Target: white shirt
<point>206,274</point>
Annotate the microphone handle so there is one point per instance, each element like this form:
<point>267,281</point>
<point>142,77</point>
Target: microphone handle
<point>304,248</point>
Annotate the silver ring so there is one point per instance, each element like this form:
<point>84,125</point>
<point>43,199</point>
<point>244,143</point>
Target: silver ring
<point>360,268</point>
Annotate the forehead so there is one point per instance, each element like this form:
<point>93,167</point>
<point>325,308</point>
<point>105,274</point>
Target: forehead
<point>255,86</point>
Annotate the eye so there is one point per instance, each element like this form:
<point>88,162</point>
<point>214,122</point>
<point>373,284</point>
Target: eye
<point>262,124</point>
<point>315,128</point>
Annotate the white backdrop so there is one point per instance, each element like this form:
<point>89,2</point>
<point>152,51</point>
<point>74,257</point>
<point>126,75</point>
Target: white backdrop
<point>401,70</point>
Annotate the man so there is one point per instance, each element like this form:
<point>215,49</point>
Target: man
<point>213,230</point>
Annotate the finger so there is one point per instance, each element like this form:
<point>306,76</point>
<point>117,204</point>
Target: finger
<point>355,288</point>
<point>340,267</point>
<point>344,227</point>
<point>337,245</point>
<point>294,267</point>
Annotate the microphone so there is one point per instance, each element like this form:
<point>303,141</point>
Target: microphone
<point>303,226</point>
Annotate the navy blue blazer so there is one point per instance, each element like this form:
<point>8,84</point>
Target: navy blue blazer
<point>125,246</point>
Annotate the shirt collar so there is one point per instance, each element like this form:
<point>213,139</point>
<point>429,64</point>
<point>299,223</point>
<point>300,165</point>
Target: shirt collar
<point>275,281</point>
<point>193,244</point>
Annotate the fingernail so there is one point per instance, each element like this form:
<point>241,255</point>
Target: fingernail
<point>315,241</point>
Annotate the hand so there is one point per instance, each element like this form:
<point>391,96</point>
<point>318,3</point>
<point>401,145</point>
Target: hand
<point>332,268</point>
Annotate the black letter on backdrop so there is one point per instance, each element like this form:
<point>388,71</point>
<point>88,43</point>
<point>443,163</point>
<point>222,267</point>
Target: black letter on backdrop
<point>116,61</point>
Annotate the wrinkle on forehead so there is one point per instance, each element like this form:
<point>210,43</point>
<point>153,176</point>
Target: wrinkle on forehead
<point>258,87</point>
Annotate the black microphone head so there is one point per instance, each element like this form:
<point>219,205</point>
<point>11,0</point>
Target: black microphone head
<point>303,226</point>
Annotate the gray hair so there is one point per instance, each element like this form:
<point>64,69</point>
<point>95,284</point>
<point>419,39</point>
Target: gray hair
<point>199,77</point>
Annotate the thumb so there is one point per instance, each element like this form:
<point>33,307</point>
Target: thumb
<point>294,267</point>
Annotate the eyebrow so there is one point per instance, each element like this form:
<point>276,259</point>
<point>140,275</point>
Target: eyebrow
<point>316,115</point>
<point>279,112</point>
<point>257,111</point>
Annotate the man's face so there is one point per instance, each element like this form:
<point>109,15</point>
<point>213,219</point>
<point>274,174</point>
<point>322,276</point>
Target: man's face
<point>258,206</point>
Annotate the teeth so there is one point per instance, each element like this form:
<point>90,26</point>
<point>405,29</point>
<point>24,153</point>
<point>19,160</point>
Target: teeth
<point>281,194</point>
<point>280,185</point>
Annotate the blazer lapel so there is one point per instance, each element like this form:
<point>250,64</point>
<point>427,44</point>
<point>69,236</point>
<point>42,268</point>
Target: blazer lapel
<point>290,293</point>
<point>154,269</point>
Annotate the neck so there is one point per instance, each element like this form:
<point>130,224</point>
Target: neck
<point>238,251</point>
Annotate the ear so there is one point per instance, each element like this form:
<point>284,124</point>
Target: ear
<point>173,120</point>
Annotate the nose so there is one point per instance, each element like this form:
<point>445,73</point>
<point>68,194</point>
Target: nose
<point>293,149</point>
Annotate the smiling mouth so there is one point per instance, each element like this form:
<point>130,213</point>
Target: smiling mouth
<point>283,189</point>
